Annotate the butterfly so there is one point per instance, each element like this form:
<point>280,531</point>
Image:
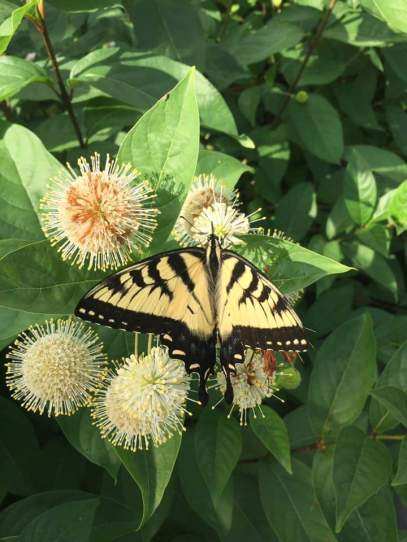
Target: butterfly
<point>196,299</point>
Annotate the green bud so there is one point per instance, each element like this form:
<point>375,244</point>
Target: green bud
<point>288,378</point>
<point>302,96</point>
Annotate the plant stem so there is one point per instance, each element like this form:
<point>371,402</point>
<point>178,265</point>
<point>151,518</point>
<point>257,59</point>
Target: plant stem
<point>379,423</point>
<point>63,93</point>
<point>390,437</point>
<point>311,48</point>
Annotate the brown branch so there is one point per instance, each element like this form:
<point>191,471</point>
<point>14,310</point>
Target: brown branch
<point>311,48</point>
<point>63,93</point>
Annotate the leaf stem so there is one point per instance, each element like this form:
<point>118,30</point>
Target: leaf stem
<point>379,423</point>
<point>311,48</point>
<point>390,437</point>
<point>63,93</point>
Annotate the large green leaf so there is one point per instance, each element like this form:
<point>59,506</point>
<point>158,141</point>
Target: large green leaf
<point>65,522</point>
<point>343,375</point>
<point>360,191</point>
<point>217,449</point>
<point>18,516</point>
<point>151,470</point>
<point>290,266</point>
<point>400,477</point>
<point>290,504</point>
<point>318,126</point>
<point>249,45</point>
<point>16,73</point>
<point>224,167</point>
<point>19,449</point>
<point>372,264</point>
<point>394,400</point>
<point>218,515</point>
<point>165,142</point>
<point>85,438</point>
<point>140,79</point>
<point>12,21</point>
<point>362,466</point>
<point>297,210</point>
<point>393,12</point>
<point>270,429</point>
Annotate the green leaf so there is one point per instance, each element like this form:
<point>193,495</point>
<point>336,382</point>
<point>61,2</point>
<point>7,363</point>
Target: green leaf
<point>343,375</point>
<point>140,80</point>
<point>395,371</point>
<point>19,449</point>
<point>16,74</point>
<point>151,470</point>
<point>361,30</point>
<point>381,161</point>
<point>400,477</point>
<point>360,191</point>
<point>373,264</point>
<point>297,210</point>
<point>224,167</point>
<point>10,24</point>
<point>377,237</point>
<point>218,443</point>
<point>394,400</point>
<point>35,167</point>
<point>17,516</point>
<point>85,438</point>
<point>397,120</point>
<point>321,318</point>
<point>218,515</point>
<point>272,432</point>
<point>290,266</point>
<point>178,28</point>
<point>250,46</point>
<point>393,12</point>
<point>362,466</point>
<point>398,206</point>
<point>290,504</point>
<point>165,142</point>
<point>66,522</point>
<point>80,5</point>
<point>318,126</point>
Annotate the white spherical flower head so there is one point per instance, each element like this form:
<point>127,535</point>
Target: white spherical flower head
<point>55,368</point>
<point>224,220</point>
<point>252,383</point>
<point>99,216</point>
<point>205,190</point>
<point>143,401</point>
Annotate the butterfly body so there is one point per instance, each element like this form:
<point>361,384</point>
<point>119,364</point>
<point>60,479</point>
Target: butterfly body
<point>195,299</point>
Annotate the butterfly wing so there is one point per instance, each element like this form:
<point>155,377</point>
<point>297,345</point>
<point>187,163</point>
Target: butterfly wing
<point>168,295</point>
<point>252,312</point>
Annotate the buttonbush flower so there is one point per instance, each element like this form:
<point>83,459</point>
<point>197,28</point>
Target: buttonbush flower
<point>205,190</point>
<point>98,217</point>
<point>253,382</point>
<point>143,400</point>
<point>210,208</point>
<point>55,367</point>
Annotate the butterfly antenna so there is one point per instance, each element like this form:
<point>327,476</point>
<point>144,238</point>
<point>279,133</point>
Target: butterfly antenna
<point>192,225</point>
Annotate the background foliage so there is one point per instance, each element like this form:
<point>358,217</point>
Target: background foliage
<point>301,105</point>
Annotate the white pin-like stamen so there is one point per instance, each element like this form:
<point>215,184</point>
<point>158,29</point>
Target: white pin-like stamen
<point>99,216</point>
<point>143,401</point>
<point>55,367</point>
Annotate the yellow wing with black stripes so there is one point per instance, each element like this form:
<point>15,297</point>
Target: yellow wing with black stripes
<point>251,311</point>
<point>168,295</point>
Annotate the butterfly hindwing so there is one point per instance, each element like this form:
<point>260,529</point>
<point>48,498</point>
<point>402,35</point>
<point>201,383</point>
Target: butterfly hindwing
<point>252,312</point>
<point>168,295</point>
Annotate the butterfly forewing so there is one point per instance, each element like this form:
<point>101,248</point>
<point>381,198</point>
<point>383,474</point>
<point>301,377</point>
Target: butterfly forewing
<point>168,295</point>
